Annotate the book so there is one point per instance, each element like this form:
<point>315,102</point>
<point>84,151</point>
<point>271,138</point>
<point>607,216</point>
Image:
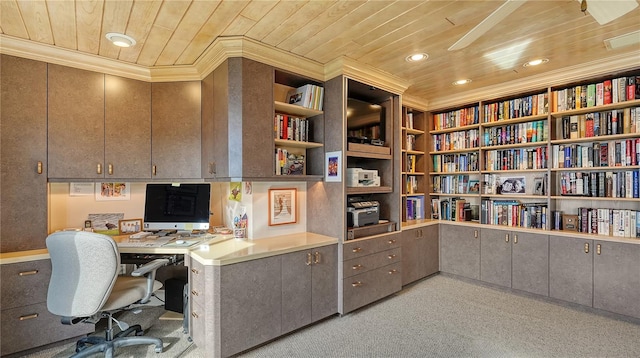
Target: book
<point>301,96</point>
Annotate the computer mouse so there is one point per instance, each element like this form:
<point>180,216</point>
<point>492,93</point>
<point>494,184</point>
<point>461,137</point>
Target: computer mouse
<point>179,242</point>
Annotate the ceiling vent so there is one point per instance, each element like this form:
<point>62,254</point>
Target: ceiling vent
<point>632,38</point>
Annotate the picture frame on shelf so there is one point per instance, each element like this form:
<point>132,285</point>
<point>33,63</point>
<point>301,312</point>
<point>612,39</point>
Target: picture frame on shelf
<point>283,206</point>
<point>129,226</point>
<point>474,186</point>
<point>538,186</point>
<point>512,185</point>
<point>333,166</point>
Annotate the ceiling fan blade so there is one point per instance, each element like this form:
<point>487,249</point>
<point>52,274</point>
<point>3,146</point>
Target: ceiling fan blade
<point>490,21</point>
<point>605,11</point>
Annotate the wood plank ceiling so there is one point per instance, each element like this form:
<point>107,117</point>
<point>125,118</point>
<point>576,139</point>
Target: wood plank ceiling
<point>380,34</point>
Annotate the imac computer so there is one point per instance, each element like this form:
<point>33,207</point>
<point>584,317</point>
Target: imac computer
<point>177,206</point>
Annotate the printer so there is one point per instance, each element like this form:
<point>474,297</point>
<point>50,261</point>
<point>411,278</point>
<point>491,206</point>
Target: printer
<point>362,212</point>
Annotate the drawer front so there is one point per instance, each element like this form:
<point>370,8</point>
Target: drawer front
<point>25,283</point>
<point>197,284</point>
<point>367,263</point>
<point>371,286</point>
<point>367,247</point>
<point>198,326</point>
<point>22,328</point>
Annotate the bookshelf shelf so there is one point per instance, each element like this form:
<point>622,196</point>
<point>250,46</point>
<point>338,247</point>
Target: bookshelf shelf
<point>455,129</point>
<point>604,107</point>
<point>517,145</point>
<point>598,169</point>
<point>513,171</point>
<point>286,108</point>
<point>369,190</point>
<point>601,138</point>
<point>515,120</point>
<point>357,154</point>
<point>297,143</point>
<point>465,150</point>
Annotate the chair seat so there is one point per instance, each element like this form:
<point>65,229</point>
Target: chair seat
<point>128,290</point>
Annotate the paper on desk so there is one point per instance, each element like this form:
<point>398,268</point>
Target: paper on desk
<point>186,243</point>
<point>144,243</point>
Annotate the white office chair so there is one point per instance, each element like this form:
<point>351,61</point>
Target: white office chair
<point>85,287</point>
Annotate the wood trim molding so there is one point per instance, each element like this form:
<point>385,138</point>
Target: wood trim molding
<point>365,74</point>
<point>414,102</point>
<point>540,82</point>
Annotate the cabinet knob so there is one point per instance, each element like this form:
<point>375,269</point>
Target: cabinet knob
<point>308,262</point>
<point>316,257</point>
<point>598,249</point>
<point>40,167</point>
<point>110,169</point>
<point>506,238</point>
<point>515,238</point>
<point>29,316</point>
<point>391,257</point>
<point>392,272</point>
<point>99,169</point>
<point>212,168</point>
<point>586,248</point>
<point>154,170</point>
<point>357,284</point>
<point>194,293</point>
<point>356,267</point>
<point>194,315</point>
<point>391,242</point>
<point>195,272</point>
<point>28,273</point>
<point>356,249</point>
<point>475,234</point>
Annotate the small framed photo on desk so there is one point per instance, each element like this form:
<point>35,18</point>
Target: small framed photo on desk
<point>129,226</point>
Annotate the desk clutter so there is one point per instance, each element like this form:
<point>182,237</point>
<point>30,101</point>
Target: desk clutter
<point>165,238</point>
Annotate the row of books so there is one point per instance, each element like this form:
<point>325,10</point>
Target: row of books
<point>291,128</point>
<point>455,162</point>
<point>409,120</point>
<point>456,140</point>
<point>610,222</point>
<point>288,163</point>
<point>609,91</point>
<point>623,184</point>
<point>516,159</point>
<point>458,118</point>
<point>516,108</point>
<point>414,208</point>
<point>622,121</point>
<point>412,184</point>
<point>309,96</point>
<point>615,153</point>
<point>410,142</point>
<point>411,164</point>
<point>513,213</point>
<point>529,132</point>
<point>453,209</point>
<point>455,184</point>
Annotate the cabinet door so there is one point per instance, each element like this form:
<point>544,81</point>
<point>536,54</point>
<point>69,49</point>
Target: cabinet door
<point>413,260</point>
<point>296,290</point>
<point>76,123</point>
<point>431,251</point>
<point>23,144</point>
<point>175,130</point>
<point>127,128</point>
<point>530,262</point>
<point>495,257</point>
<point>616,278</point>
<point>251,302</point>
<point>324,282</point>
<point>460,250</point>
<point>571,269</point>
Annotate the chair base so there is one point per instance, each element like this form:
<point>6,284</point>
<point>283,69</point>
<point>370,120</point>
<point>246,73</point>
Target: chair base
<point>99,344</point>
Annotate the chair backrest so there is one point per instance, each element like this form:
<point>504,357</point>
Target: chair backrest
<point>85,267</point>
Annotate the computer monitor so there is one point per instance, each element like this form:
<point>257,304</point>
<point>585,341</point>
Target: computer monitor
<point>177,206</point>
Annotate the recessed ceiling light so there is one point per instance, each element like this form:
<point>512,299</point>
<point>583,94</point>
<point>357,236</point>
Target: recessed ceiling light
<point>461,82</point>
<point>417,57</point>
<point>536,62</point>
<point>121,40</point>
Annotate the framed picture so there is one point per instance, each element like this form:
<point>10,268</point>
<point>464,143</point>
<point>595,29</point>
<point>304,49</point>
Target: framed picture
<point>538,186</point>
<point>333,166</point>
<point>106,191</point>
<point>129,226</point>
<point>283,206</point>
<point>474,186</point>
<point>512,185</point>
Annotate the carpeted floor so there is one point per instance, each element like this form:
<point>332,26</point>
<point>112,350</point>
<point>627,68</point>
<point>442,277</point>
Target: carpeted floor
<point>437,317</point>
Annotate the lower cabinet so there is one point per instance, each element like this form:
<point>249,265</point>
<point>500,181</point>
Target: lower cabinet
<point>571,269</point>
<point>420,256</point>
<point>460,250</point>
<point>24,309</point>
<point>371,270</point>
<point>239,306</point>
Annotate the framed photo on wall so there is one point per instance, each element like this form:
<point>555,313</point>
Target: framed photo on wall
<point>333,166</point>
<point>283,206</point>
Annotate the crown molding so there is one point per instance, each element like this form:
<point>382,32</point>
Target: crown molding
<point>541,82</point>
<point>366,74</point>
<point>414,102</point>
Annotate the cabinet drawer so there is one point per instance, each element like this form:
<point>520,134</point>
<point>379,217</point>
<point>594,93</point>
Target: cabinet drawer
<point>366,247</point>
<point>367,263</point>
<point>197,325</point>
<point>25,283</point>
<point>22,328</point>
<point>197,284</point>
<point>371,286</point>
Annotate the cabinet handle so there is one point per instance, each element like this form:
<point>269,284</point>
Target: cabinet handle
<point>110,169</point>
<point>392,272</point>
<point>308,263</point>
<point>195,272</point>
<point>28,273</point>
<point>391,257</point>
<point>506,238</point>
<point>30,316</point>
<point>194,293</point>
<point>515,238</point>
<point>357,284</point>
<point>194,315</point>
<point>598,249</point>
<point>357,249</point>
<point>391,242</point>
<point>586,248</point>
<point>475,234</point>
<point>212,168</point>
<point>356,267</point>
<point>99,169</point>
<point>316,257</point>
<point>154,170</point>
<point>40,170</point>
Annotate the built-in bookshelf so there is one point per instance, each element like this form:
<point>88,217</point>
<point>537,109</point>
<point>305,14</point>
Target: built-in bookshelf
<point>568,151</point>
<point>414,175</point>
<point>297,115</point>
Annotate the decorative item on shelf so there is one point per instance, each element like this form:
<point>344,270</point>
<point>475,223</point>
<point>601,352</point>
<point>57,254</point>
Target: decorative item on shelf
<point>512,185</point>
<point>474,186</point>
<point>569,222</point>
<point>282,206</point>
<point>129,226</point>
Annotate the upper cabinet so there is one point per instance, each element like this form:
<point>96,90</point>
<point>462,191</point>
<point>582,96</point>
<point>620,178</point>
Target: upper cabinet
<point>23,148</point>
<point>175,130</point>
